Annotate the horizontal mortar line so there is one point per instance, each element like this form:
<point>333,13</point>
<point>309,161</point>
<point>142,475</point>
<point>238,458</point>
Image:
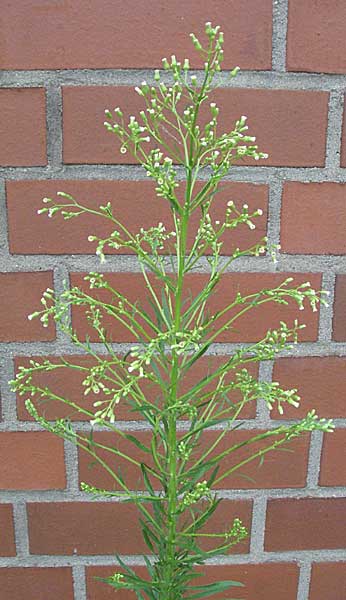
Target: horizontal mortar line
<point>249,174</point>
<point>135,426</point>
<point>290,80</point>
<point>44,560</point>
<point>42,348</point>
<point>51,496</point>
<point>122,263</point>
<point>322,555</point>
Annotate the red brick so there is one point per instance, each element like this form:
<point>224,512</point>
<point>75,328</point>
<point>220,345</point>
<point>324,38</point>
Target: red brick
<point>280,469</point>
<point>333,459</point>
<point>320,207</point>
<point>316,33</point>
<point>339,320</point>
<point>23,127</point>
<point>107,528</point>
<point>68,384</point>
<point>130,200</point>
<point>328,580</point>
<point>34,583</point>
<point>262,581</point>
<point>320,381</point>
<point>306,524</point>
<point>21,295</point>
<point>343,141</point>
<point>8,545</point>
<point>34,461</point>
<point>248,328</point>
<point>270,116</point>
<point>111,34</point>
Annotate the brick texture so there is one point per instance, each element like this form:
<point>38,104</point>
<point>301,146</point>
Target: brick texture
<point>65,36</point>
<point>261,581</point>
<point>320,381</point>
<point>339,321</point>
<point>35,460</point>
<point>315,35</point>
<point>62,64</point>
<point>270,115</point>
<point>277,471</point>
<point>306,524</point>
<point>7,546</point>
<point>328,580</point>
<point>34,583</point>
<point>21,295</point>
<point>22,127</point>
<point>343,141</point>
<point>71,388</point>
<point>106,528</point>
<point>323,207</point>
<point>129,198</point>
<point>333,472</point>
<point>248,328</point>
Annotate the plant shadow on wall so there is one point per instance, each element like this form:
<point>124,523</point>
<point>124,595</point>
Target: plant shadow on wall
<point>190,447</point>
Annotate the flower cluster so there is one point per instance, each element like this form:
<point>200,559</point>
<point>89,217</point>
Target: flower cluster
<point>201,490</point>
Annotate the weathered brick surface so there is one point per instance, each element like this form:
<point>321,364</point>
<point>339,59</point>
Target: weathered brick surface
<point>106,528</point>
<point>52,139</point>
<point>277,471</point>
<point>305,524</point>
<point>23,127</point>
<point>20,296</point>
<point>7,546</point>
<point>34,460</point>
<point>320,205</point>
<point>320,382</point>
<point>34,583</point>
<point>262,581</point>
<point>328,580</point>
<point>315,36</point>
<point>339,321</point>
<point>130,199</point>
<point>296,116</point>
<point>69,385</point>
<point>250,327</point>
<point>66,36</point>
<point>333,472</point>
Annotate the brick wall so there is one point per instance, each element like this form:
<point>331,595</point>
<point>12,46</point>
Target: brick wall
<point>62,65</point>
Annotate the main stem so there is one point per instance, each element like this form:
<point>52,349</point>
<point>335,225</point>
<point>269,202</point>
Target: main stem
<point>172,491</point>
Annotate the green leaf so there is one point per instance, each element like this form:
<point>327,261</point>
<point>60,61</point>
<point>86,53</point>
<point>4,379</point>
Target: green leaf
<point>213,588</point>
<point>213,476</point>
<point>137,443</point>
<point>146,479</point>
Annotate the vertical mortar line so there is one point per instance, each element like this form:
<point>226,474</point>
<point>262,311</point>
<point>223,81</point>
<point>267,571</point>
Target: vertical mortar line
<point>334,129</point>
<point>71,467</point>
<point>79,582</point>
<point>304,580</point>
<point>21,533</point>
<point>314,460</point>
<point>279,36</point>
<point>3,220</point>
<point>61,280</point>
<point>326,312</point>
<point>61,275</point>
<point>259,511</point>
<point>8,398</point>
<point>54,124</point>
<point>265,374</point>
<point>274,211</point>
